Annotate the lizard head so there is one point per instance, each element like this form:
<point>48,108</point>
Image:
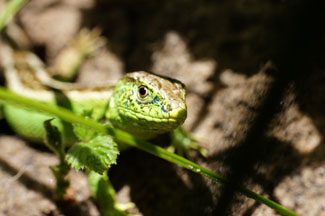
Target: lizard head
<point>145,105</point>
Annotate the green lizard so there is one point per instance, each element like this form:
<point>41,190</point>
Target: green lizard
<point>142,104</point>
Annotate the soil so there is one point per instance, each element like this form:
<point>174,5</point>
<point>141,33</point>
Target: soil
<point>255,77</point>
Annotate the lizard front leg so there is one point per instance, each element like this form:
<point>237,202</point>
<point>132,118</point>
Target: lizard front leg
<point>105,196</point>
<point>182,141</point>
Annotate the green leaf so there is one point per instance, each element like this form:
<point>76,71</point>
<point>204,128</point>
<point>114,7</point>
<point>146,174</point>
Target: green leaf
<point>83,133</point>
<point>96,154</point>
<point>53,140</point>
<point>53,137</point>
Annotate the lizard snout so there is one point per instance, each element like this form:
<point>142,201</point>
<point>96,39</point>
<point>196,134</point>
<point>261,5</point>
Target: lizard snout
<point>176,110</point>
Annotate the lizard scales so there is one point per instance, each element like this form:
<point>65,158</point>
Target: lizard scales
<point>141,103</point>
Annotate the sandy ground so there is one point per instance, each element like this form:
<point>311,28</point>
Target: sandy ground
<point>263,123</point>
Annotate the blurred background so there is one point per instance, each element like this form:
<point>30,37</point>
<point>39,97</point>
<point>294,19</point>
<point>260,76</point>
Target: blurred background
<point>254,72</point>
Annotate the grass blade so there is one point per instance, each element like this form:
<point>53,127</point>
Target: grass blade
<point>13,98</point>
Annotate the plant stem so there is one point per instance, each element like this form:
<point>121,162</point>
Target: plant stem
<point>53,140</point>
<point>10,97</point>
<point>10,9</point>
<point>60,172</point>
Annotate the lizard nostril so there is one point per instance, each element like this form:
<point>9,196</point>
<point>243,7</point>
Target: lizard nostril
<point>168,107</point>
<point>172,105</point>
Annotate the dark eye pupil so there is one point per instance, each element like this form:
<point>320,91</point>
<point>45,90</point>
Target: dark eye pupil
<point>142,91</point>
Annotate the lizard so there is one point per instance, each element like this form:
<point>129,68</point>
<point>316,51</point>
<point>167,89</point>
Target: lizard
<point>142,104</point>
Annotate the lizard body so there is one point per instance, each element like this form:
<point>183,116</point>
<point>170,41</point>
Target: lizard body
<point>141,103</point>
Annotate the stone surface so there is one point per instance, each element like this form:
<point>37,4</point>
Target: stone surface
<point>27,184</point>
<point>217,49</point>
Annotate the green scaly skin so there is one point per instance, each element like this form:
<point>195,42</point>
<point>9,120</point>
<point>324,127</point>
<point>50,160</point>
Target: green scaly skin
<point>160,110</point>
<point>142,104</point>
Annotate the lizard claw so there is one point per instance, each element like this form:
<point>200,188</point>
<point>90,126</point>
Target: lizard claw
<point>183,141</point>
<point>123,207</point>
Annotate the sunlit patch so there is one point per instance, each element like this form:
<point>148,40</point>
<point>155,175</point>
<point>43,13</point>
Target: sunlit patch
<point>298,129</point>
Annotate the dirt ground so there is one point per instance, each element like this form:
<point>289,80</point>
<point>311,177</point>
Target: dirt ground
<point>256,83</point>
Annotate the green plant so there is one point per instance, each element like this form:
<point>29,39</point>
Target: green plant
<point>121,136</point>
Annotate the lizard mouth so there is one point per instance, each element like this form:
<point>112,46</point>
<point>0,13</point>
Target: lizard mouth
<point>174,118</point>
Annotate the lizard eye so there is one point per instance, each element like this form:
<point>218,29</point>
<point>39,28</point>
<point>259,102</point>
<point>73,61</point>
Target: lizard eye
<point>143,91</point>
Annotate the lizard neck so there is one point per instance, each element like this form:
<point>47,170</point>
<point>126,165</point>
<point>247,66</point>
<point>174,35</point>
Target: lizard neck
<point>26,75</point>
